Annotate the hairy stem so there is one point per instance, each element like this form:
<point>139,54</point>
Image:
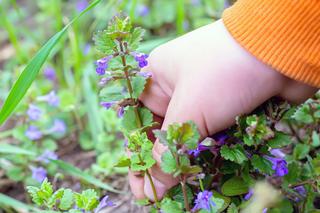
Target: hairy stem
<point>184,191</point>
<point>137,115</point>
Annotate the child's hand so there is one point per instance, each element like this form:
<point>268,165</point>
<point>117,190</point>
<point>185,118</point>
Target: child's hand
<point>207,77</point>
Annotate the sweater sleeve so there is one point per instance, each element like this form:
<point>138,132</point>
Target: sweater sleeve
<point>284,34</point>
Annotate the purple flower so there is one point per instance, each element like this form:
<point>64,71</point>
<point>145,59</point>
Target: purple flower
<point>51,98</point>
<point>81,5</point>
<point>143,10</point>
<point>279,165</point>
<point>34,112</point>
<point>301,190</point>
<point>248,195</point>
<point>86,49</point>
<point>206,144</point>
<point>33,133</point>
<point>49,73</point>
<point>105,202</point>
<point>108,105</point>
<point>195,2</point>
<point>145,74</point>
<point>265,210</point>
<point>47,155</point>
<point>120,112</point>
<point>102,65</point>
<point>203,201</point>
<point>59,126</point>
<point>141,58</point>
<point>104,81</point>
<point>39,173</point>
<point>277,153</point>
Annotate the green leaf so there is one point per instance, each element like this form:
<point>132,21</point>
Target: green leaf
<point>168,162</point>
<point>124,161</point>
<point>176,194</point>
<point>142,202</point>
<point>235,154</point>
<point>46,188</point>
<point>104,43</point>
<point>303,114</point>
<point>135,38</point>
<point>138,84</point>
<point>315,139</point>
<point>262,164</point>
<point>87,200</point>
<point>67,200</point>
<point>76,172</point>
<point>190,169</point>
<point>234,186</point>
<point>170,206</point>
<point>280,140</point>
<point>161,135</point>
<point>185,133</point>
<point>33,191</point>
<point>294,172</point>
<point>232,208</point>
<point>146,163</point>
<point>30,72</point>
<point>113,92</point>
<point>129,122</point>
<point>11,149</point>
<point>226,201</point>
<point>301,151</point>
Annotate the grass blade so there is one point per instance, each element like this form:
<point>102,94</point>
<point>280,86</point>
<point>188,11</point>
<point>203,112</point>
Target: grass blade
<point>10,149</point>
<point>30,72</point>
<point>76,172</point>
<point>16,204</point>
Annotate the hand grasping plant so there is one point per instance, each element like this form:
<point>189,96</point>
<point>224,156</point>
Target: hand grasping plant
<point>207,77</point>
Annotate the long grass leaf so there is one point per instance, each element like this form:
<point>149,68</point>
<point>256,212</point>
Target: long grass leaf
<point>30,72</point>
<point>10,149</point>
<point>16,204</point>
<point>76,172</point>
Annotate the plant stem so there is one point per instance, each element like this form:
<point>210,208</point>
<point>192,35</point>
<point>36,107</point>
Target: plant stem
<point>124,63</point>
<point>153,189</point>
<point>138,119</point>
<point>184,191</point>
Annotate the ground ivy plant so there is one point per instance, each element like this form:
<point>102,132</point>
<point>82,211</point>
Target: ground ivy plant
<point>268,161</point>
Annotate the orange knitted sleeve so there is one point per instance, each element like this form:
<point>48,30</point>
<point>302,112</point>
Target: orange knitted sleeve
<point>284,34</point>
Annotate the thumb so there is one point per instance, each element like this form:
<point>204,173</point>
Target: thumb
<point>180,109</point>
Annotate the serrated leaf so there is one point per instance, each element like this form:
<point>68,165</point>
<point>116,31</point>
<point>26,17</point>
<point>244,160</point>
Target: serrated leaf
<point>135,38</point>
<point>87,200</point>
<point>303,114</point>
<point>33,191</point>
<point>235,154</point>
<point>54,198</point>
<point>161,135</point>
<point>113,92</point>
<point>262,164</point>
<point>168,162</point>
<point>67,200</point>
<point>47,189</point>
<point>124,161</point>
<point>280,140</point>
<point>234,186</point>
<point>104,43</point>
<point>232,208</point>
<point>138,84</point>
<point>183,133</point>
<point>190,169</point>
<point>171,206</point>
<point>129,122</point>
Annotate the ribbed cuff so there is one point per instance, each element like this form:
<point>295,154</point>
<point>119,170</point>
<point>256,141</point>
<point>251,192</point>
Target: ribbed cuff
<point>284,34</point>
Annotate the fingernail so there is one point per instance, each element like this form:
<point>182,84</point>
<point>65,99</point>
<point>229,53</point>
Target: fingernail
<point>160,188</point>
